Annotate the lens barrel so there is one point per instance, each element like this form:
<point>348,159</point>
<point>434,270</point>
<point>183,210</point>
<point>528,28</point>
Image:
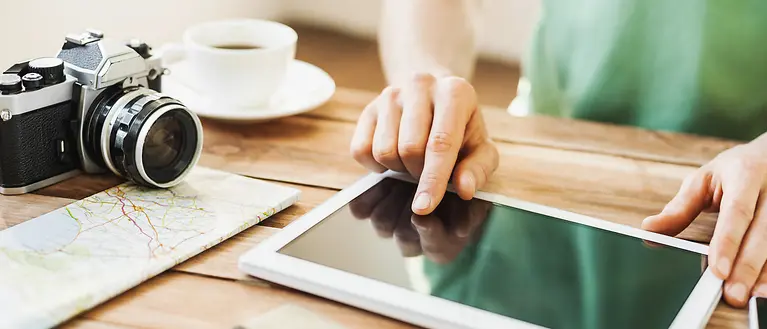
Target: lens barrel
<point>144,136</point>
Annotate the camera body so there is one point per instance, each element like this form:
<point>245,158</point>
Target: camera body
<point>95,107</point>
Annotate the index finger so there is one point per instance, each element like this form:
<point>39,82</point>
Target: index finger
<point>454,99</point>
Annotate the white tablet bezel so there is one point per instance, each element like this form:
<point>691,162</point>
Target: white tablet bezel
<point>264,261</point>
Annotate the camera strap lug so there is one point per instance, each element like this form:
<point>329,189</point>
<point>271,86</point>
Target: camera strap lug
<point>5,115</point>
<point>62,151</point>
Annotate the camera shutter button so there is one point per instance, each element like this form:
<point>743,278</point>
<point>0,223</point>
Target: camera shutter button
<point>51,69</point>
<point>32,81</point>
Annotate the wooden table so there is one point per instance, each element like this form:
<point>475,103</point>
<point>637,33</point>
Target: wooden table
<point>616,173</point>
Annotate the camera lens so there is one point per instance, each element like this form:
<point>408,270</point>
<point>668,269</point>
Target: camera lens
<point>163,143</point>
<point>167,144</point>
<point>146,137</point>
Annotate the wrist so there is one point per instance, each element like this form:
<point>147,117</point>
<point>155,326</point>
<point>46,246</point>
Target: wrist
<point>401,71</point>
<point>760,143</point>
<point>404,77</point>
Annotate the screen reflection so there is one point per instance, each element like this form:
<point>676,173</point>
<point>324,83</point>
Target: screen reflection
<point>523,265</point>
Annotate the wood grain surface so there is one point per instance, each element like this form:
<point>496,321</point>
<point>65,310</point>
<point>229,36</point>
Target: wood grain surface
<point>180,300</point>
<point>615,173</point>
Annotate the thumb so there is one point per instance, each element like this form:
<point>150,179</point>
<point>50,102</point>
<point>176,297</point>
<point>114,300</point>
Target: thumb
<point>475,169</point>
<point>692,198</point>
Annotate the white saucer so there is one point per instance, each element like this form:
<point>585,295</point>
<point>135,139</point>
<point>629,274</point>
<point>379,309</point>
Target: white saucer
<point>305,88</point>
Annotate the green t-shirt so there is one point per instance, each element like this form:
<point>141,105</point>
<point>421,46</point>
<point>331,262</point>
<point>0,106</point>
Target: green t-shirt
<point>695,66</point>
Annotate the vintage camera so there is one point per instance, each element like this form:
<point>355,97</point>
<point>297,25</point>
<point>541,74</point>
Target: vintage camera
<point>95,107</point>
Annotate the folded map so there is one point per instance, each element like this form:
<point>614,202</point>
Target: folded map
<point>60,264</point>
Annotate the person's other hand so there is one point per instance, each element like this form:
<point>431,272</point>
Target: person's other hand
<point>432,129</point>
<point>735,185</point>
<point>440,236</point>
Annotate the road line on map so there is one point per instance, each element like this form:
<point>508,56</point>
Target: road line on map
<point>108,221</point>
<point>148,244</point>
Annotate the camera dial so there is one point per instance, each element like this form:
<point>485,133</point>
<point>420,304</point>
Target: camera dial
<point>51,69</point>
<point>10,83</point>
<point>32,81</point>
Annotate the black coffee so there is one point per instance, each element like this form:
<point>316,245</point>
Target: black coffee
<point>238,46</point>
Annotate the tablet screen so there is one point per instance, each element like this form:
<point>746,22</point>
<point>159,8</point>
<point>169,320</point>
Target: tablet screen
<point>505,260</point>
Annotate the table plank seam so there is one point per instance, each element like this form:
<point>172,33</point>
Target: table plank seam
<point>663,160</point>
<point>250,280</point>
<point>203,275</point>
<point>274,180</point>
<point>659,160</point>
<point>112,323</point>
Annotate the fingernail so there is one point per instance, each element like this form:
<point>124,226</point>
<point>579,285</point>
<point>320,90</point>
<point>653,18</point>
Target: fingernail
<point>724,266</point>
<point>422,201</point>
<point>738,291</point>
<point>761,290</point>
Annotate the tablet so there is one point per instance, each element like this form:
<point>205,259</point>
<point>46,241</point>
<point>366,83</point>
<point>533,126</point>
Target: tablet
<point>490,262</point>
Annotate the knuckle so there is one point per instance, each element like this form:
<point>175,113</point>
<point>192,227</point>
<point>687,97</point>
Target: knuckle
<point>390,93</point>
<point>749,164</point>
<point>430,179</point>
<point>421,79</point>
<point>370,109</point>
<point>388,90</point>
<point>411,150</point>
<point>729,243</point>
<point>361,149</point>
<point>454,87</point>
<point>385,153</point>
<point>741,211</point>
<point>440,142</point>
<point>749,269</point>
<point>694,184</point>
<point>691,178</point>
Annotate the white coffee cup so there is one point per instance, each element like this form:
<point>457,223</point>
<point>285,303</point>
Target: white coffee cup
<point>246,77</point>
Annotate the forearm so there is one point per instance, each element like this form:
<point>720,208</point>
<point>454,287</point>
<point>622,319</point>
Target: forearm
<point>432,36</point>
